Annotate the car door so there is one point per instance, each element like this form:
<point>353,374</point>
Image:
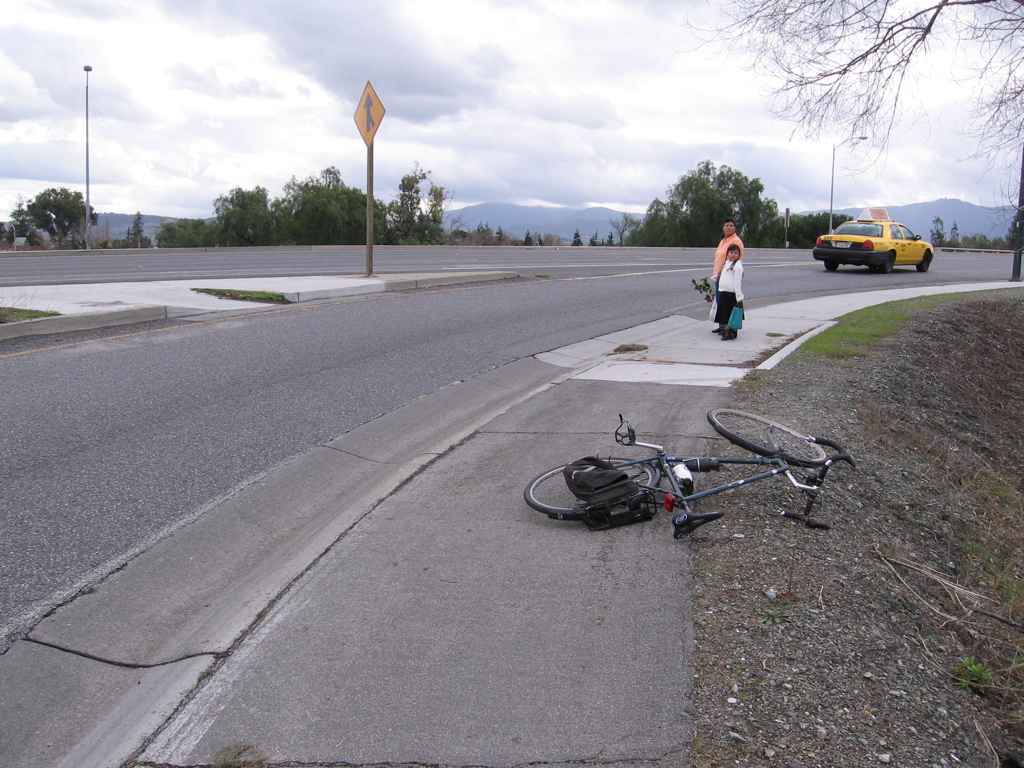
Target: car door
<point>912,247</point>
<point>899,243</point>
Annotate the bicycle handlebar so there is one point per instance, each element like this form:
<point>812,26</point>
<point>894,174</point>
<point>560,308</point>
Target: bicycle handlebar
<point>841,455</point>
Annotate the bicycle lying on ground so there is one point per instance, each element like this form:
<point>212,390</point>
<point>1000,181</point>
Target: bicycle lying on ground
<point>605,493</point>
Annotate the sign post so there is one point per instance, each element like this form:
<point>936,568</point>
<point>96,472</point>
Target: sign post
<point>369,112</point>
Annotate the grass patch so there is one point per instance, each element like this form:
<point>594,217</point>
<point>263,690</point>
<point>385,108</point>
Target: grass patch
<point>855,334</point>
<point>13,314</point>
<point>239,756</point>
<point>629,348</point>
<point>265,297</point>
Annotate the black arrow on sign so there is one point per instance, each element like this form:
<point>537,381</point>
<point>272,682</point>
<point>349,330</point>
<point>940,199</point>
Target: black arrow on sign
<point>369,117</point>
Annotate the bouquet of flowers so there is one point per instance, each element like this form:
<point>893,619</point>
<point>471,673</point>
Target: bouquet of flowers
<point>707,290</point>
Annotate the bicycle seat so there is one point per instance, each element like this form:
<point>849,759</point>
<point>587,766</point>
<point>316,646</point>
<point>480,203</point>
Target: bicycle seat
<point>688,522</point>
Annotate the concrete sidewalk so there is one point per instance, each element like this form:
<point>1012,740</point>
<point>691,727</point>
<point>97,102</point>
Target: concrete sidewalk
<point>85,306</point>
<point>389,598</point>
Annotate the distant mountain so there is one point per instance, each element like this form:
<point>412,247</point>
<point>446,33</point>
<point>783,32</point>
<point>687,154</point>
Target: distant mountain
<point>114,226</point>
<point>517,220</point>
<point>969,219</point>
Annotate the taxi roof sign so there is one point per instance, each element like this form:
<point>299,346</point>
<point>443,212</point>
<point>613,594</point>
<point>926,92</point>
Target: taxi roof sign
<point>369,113</point>
<point>874,214</point>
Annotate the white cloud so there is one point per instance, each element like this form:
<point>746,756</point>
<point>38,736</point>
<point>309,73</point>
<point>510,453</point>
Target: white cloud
<point>546,101</point>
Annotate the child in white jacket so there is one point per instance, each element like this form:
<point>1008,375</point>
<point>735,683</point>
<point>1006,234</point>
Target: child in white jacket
<point>730,291</point>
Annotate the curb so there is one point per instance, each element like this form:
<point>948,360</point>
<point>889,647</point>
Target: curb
<point>86,322</point>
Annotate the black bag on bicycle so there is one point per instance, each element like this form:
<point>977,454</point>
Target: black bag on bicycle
<point>610,496</point>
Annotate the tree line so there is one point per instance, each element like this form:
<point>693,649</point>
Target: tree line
<point>323,210</point>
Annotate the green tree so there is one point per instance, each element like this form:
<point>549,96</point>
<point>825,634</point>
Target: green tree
<point>60,213</point>
<point>21,223</point>
<point>805,229</point>
<point>954,236</point>
<point>576,239</point>
<point>187,233</point>
<point>322,210</point>
<point>244,217</point>
<point>528,240</point>
<point>938,233</point>
<point>985,243</point>
<point>698,204</point>
<point>416,217</point>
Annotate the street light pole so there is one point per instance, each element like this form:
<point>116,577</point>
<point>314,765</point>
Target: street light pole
<point>1018,228</point>
<point>832,184</point>
<point>88,204</point>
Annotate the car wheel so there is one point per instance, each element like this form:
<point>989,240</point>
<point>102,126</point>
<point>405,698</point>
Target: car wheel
<point>890,261</point>
<point>925,262</point>
<point>831,266</point>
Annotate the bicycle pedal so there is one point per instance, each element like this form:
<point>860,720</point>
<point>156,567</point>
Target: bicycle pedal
<point>687,522</point>
<point>810,522</point>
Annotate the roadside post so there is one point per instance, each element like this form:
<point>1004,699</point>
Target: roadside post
<point>369,113</point>
<point>1018,228</point>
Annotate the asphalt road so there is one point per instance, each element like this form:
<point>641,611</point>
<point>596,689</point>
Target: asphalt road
<point>111,437</point>
<point>156,264</point>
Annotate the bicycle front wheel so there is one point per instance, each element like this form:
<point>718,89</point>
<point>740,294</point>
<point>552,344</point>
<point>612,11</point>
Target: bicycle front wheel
<point>765,437</point>
<point>549,494</point>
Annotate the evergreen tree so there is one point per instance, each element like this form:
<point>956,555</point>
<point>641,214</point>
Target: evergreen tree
<point>136,237</point>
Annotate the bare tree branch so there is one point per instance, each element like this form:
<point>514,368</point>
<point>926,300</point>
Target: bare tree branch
<point>852,66</point>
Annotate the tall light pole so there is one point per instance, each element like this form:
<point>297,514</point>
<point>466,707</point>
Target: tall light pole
<point>88,205</point>
<point>832,185</point>
<point>1018,229</point>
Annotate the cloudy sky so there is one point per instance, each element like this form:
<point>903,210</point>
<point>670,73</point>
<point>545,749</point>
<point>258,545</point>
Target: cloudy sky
<point>552,102</point>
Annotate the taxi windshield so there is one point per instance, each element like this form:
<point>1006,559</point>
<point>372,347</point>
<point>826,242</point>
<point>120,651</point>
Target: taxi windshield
<point>859,228</point>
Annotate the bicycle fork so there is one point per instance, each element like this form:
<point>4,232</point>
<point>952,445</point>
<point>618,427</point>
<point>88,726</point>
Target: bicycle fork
<point>811,487</point>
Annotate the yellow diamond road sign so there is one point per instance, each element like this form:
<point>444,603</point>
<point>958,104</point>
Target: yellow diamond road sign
<point>369,113</point>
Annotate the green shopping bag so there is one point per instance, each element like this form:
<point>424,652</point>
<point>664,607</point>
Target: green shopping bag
<point>736,318</point>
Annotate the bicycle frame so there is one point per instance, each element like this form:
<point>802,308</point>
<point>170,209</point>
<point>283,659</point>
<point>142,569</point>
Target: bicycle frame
<point>675,495</point>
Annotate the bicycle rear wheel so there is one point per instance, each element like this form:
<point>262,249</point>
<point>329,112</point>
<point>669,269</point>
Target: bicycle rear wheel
<point>549,494</point>
<point>765,437</point>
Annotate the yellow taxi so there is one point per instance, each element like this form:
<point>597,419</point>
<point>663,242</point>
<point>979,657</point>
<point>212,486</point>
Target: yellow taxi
<point>875,241</point>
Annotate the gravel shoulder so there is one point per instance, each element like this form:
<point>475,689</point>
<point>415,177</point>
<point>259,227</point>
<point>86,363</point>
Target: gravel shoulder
<point>846,647</point>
